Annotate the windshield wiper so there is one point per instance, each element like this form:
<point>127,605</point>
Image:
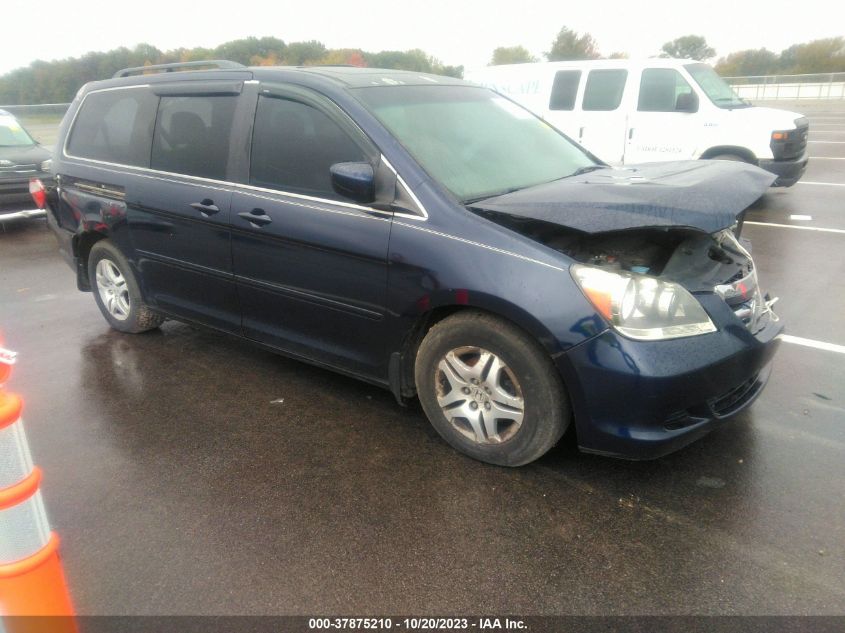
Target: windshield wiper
<point>738,100</point>
<point>585,170</point>
<point>581,170</point>
<point>492,195</point>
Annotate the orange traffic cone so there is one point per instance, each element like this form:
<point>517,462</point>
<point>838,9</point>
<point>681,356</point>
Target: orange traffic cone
<point>32,582</point>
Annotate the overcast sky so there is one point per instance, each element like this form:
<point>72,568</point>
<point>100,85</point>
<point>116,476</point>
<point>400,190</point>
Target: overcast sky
<point>455,31</point>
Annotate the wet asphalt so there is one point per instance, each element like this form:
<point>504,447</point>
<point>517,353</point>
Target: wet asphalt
<point>187,472</point>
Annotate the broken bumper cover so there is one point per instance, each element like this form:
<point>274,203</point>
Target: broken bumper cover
<point>645,399</point>
<point>21,214</point>
<point>788,172</point>
<point>15,200</point>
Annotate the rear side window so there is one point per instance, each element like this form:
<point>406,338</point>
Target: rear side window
<point>564,89</point>
<point>660,89</point>
<point>115,126</point>
<point>604,89</point>
<point>192,135</point>
<point>294,145</point>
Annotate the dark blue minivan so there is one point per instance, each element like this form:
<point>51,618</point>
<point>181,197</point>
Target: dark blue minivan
<point>423,234</point>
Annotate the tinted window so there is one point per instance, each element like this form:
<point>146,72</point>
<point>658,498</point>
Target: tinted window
<point>115,126</point>
<point>604,89</point>
<point>564,89</point>
<point>660,88</point>
<point>192,135</point>
<point>293,147</point>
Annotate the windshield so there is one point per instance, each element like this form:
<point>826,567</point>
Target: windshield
<point>473,141</point>
<point>12,134</point>
<point>719,92</point>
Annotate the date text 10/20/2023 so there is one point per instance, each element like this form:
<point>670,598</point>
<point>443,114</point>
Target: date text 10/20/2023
<point>417,624</point>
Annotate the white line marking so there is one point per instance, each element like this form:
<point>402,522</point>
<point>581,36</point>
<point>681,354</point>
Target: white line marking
<point>795,226</point>
<point>828,184</point>
<point>827,157</point>
<point>800,218</point>
<point>806,342</point>
<point>828,142</point>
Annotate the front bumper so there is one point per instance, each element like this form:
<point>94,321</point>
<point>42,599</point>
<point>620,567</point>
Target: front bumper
<point>22,214</point>
<point>645,399</point>
<point>788,171</point>
<point>15,200</point>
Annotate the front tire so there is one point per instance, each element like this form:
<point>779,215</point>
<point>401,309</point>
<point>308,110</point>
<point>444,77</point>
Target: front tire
<point>490,390</point>
<point>116,291</point>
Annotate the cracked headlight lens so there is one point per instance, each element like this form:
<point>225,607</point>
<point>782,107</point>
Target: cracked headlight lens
<point>642,307</point>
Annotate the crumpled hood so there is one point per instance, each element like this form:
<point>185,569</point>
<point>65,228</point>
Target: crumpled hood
<point>704,195</point>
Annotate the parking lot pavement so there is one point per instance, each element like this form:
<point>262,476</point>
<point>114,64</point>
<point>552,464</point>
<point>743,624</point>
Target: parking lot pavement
<point>187,472</point>
<point>820,194</point>
<point>45,132</point>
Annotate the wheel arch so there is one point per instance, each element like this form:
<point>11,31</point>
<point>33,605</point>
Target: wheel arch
<point>401,364</point>
<point>743,152</point>
<point>82,243</point>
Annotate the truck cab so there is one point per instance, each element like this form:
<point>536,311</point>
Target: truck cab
<point>629,111</point>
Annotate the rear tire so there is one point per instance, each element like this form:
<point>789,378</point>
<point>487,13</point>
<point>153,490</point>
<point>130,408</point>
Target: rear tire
<point>490,390</point>
<point>116,291</point>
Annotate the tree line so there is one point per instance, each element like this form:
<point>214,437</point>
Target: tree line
<point>818,56</point>
<point>58,81</point>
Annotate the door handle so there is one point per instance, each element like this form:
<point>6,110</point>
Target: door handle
<point>630,133</point>
<point>256,217</point>
<point>206,207</point>
<point>580,133</point>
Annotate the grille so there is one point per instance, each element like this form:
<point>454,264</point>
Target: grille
<point>715,408</point>
<point>795,145</point>
<point>731,401</point>
<point>743,296</point>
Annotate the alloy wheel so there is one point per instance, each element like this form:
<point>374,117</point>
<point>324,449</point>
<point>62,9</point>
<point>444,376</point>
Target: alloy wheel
<point>479,395</point>
<point>113,289</point>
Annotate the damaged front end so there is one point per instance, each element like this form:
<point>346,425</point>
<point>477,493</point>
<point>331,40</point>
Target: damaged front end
<point>655,251</point>
<point>646,248</point>
<point>644,281</point>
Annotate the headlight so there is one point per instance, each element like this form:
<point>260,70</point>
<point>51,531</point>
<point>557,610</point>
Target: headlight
<point>642,307</point>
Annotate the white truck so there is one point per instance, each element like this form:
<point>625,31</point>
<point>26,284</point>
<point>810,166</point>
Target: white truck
<point>635,111</point>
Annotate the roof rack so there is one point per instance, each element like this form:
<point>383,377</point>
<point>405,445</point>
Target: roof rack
<point>169,68</point>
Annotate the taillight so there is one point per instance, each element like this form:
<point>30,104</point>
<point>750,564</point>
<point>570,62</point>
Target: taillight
<point>38,192</point>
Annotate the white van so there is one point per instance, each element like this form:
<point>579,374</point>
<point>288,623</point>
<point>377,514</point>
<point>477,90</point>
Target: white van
<point>635,111</point>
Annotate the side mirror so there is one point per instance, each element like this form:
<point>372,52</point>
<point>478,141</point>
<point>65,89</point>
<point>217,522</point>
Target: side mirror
<point>354,180</point>
<point>687,102</point>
